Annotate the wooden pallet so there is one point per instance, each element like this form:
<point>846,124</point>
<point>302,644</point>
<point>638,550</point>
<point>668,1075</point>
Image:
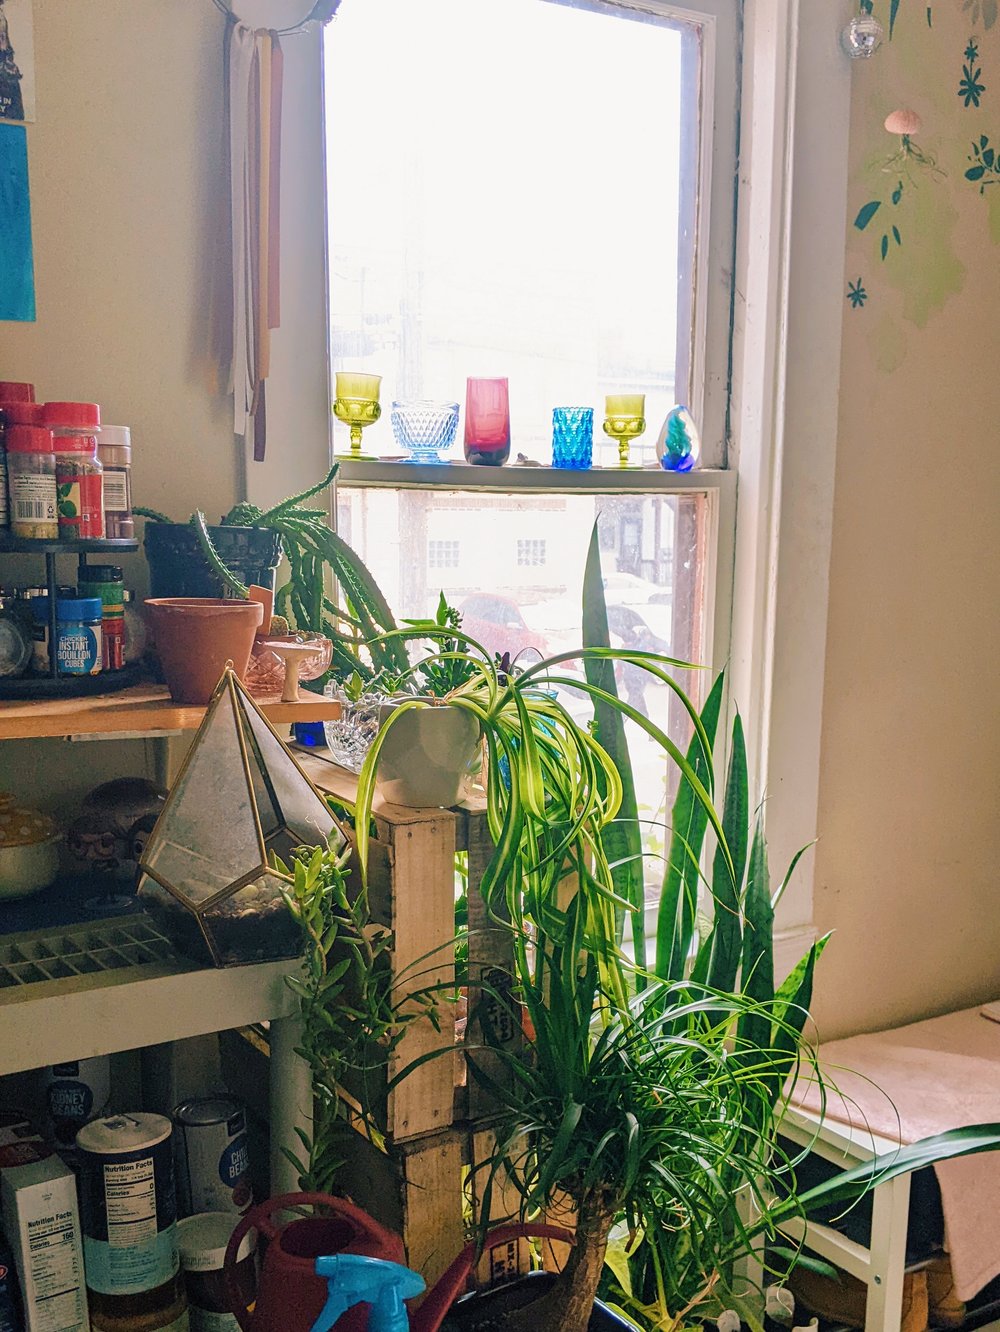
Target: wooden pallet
<point>423,1180</point>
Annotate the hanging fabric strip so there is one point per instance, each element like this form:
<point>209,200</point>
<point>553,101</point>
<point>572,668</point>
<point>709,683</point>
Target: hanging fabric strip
<point>241,54</point>
<point>274,203</point>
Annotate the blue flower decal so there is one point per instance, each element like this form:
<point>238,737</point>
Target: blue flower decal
<point>856,294</point>
<point>970,89</point>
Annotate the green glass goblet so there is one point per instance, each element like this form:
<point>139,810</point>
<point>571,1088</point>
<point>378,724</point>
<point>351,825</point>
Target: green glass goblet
<point>624,420</point>
<point>357,405</point>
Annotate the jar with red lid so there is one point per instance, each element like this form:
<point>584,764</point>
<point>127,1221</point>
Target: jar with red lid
<point>31,466</point>
<point>79,474</point>
<point>18,409</point>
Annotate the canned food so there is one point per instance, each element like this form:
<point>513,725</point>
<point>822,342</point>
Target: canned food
<point>129,1214</point>
<point>213,1159</point>
<point>76,1093</point>
<point>203,1240</point>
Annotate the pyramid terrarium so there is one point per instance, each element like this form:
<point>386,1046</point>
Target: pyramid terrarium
<point>239,800</point>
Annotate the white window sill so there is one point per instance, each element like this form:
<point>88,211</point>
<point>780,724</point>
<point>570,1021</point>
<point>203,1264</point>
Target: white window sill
<point>513,476</point>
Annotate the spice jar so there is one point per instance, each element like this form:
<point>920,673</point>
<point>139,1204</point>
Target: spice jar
<point>107,583</point>
<point>13,411</point>
<point>15,641</point>
<point>78,635</point>
<point>31,470</point>
<point>114,449</point>
<point>79,475</point>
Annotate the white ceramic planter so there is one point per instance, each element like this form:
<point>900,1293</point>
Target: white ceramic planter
<point>425,755</point>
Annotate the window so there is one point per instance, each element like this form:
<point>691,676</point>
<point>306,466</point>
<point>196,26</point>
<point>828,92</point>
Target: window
<point>541,189</point>
<point>523,188</point>
<point>442,554</point>
<point>530,551</point>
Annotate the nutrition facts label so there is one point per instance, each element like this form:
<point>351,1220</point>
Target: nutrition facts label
<point>130,1193</point>
<point>56,1273</point>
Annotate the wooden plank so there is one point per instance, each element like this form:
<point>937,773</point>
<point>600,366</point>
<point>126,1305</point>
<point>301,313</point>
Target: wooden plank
<point>417,1192</point>
<point>142,708</point>
<point>490,963</point>
<point>423,922</point>
<point>502,1261</point>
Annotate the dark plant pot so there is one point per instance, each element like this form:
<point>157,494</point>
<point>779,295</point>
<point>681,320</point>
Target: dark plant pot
<point>178,568</point>
<point>486,1311</point>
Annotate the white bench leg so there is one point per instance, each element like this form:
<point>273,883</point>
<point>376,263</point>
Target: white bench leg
<point>890,1205</point>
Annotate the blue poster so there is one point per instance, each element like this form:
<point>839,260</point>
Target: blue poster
<point>17,273</point>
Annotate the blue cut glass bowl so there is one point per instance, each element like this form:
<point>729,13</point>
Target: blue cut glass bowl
<point>424,428</point>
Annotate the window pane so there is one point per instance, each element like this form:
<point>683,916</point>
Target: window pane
<point>505,180</point>
<point>520,591</point>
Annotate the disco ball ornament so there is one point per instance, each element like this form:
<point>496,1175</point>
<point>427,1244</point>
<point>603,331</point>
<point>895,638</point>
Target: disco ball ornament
<point>862,37</point>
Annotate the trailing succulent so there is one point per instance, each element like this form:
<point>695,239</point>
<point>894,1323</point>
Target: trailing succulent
<point>316,558</point>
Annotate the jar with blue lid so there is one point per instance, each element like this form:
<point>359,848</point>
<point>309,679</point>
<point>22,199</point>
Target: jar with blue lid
<point>78,634</point>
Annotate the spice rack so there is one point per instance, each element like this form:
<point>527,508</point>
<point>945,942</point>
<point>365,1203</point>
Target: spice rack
<point>54,685</point>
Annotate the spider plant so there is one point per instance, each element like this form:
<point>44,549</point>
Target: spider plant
<point>650,1088</point>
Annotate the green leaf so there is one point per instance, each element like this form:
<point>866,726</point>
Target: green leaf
<point>757,967</point>
<point>895,235</point>
<point>885,246</point>
<point>622,839</point>
<point>727,885</point>
<point>689,821</point>
<point>867,213</point>
<point>975,173</point>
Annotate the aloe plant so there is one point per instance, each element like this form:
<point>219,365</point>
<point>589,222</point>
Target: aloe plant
<point>361,628</point>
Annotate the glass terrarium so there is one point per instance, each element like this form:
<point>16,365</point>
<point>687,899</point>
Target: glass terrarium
<point>239,801</point>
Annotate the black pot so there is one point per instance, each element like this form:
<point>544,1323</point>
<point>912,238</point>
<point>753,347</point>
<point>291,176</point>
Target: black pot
<point>178,568</point>
<point>486,1311</point>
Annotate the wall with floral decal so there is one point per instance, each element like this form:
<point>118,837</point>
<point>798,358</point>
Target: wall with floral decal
<point>906,868</point>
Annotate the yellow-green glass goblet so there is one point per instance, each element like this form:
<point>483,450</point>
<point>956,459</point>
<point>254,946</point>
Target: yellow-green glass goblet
<point>357,405</point>
<point>624,420</point>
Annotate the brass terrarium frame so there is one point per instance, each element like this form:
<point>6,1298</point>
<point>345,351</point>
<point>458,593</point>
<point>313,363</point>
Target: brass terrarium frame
<point>201,853</point>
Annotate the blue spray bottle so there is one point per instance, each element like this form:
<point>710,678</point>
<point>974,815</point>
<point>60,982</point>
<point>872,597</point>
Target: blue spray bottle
<point>352,1279</point>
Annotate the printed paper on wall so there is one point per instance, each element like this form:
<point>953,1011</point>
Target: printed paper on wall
<point>17,61</point>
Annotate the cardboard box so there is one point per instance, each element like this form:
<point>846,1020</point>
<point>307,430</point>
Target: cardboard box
<point>42,1225</point>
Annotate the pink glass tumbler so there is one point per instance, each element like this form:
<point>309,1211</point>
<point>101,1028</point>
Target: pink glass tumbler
<point>487,422</point>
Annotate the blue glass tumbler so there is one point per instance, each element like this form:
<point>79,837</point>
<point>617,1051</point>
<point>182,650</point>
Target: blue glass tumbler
<point>572,437</point>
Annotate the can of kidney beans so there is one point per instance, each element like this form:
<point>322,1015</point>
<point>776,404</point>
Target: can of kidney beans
<point>213,1160</point>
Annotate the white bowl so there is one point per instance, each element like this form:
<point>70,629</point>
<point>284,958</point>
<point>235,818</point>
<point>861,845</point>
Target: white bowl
<point>28,868</point>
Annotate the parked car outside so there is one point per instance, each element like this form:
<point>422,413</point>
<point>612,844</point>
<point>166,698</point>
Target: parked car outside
<point>497,623</point>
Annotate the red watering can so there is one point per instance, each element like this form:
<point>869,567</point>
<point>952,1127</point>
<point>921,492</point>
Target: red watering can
<point>290,1295</point>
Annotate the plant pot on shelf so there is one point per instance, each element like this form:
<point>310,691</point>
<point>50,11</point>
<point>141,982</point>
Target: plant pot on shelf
<point>487,1310</point>
<point>196,636</point>
<point>178,567</point>
<point>425,754</point>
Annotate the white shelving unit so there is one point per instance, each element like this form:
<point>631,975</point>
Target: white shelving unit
<point>111,985</point>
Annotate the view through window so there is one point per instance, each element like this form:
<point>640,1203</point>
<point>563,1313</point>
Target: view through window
<point>509,184</point>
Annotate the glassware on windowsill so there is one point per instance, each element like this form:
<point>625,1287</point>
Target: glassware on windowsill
<point>357,405</point>
<point>678,445</point>
<point>424,428</point>
<point>624,420</point>
<point>350,737</point>
<point>265,674</point>
<point>487,422</point>
<point>572,437</point>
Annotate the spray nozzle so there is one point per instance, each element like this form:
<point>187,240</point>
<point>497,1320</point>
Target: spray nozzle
<point>353,1279</point>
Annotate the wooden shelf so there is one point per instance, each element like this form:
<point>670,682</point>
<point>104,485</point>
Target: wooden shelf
<point>142,709</point>
<point>16,545</point>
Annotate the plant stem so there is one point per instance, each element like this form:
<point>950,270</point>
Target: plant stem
<point>568,1304</point>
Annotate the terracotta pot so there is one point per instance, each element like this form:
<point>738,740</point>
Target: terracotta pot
<point>196,636</point>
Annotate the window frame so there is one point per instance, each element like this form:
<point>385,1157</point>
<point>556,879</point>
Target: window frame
<point>795,117</point>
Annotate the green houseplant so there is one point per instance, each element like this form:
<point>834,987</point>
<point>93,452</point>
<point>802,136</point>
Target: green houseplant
<point>316,557</point>
<point>648,1094</point>
<point>650,1090</point>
